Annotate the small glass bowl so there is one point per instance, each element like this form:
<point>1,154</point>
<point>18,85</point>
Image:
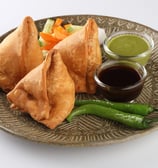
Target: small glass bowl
<point>114,80</point>
<point>141,58</point>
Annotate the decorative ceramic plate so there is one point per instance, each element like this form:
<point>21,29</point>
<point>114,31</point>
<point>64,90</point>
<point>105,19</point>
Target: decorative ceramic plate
<point>86,130</point>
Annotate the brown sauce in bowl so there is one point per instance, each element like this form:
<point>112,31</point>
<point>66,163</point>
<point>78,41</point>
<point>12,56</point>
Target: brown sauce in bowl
<point>119,82</point>
<point>119,76</point>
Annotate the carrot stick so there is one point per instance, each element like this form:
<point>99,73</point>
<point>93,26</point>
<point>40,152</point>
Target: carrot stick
<point>57,23</point>
<point>48,46</point>
<point>60,33</point>
<point>48,37</point>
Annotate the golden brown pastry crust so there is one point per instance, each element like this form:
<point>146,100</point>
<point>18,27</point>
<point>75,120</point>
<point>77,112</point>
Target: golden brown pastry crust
<point>47,93</point>
<point>19,53</point>
<point>81,54</point>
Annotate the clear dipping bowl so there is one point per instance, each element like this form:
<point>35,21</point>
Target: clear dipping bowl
<point>120,80</point>
<point>129,45</point>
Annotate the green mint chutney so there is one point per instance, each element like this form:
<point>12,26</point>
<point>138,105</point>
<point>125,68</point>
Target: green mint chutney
<point>128,45</point>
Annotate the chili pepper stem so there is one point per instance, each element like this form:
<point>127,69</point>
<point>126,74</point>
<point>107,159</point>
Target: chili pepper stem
<point>151,121</point>
<point>155,109</point>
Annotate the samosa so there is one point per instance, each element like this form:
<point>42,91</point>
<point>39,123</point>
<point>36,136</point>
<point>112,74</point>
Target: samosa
<point>19,53</point>
<point>82,55</point>
<point>47,92</point>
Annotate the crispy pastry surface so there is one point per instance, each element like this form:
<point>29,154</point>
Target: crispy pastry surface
<point>81,54</point>
<point>19,53</point>
<point>47,93</point>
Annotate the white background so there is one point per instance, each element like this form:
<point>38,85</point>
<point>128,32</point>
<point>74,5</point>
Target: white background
<point>16,152</point>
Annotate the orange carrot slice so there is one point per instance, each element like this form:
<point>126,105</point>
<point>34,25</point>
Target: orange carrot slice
<point>48,37</point>
<point>60,33</point>
<point>57,23</point>
<point>48,46</point>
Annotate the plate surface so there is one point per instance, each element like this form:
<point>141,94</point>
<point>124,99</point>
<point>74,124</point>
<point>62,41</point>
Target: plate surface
<point>86,130</point>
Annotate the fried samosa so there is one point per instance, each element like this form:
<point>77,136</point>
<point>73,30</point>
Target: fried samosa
<point>82,55</point>
<point>19,53</point>
<point>47,92</point>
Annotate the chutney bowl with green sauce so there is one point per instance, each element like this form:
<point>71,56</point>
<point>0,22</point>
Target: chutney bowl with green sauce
<point>129,45</point>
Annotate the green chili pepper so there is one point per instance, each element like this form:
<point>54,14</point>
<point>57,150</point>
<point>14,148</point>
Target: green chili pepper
<point>131,120</point>
<point>135,108</point>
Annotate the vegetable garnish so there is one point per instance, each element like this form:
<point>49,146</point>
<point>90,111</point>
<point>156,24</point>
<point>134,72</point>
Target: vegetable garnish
<point>54,31</point>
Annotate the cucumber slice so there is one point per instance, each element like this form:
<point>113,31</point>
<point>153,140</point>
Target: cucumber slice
<point>73,28</point>
<point>48,26</point>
